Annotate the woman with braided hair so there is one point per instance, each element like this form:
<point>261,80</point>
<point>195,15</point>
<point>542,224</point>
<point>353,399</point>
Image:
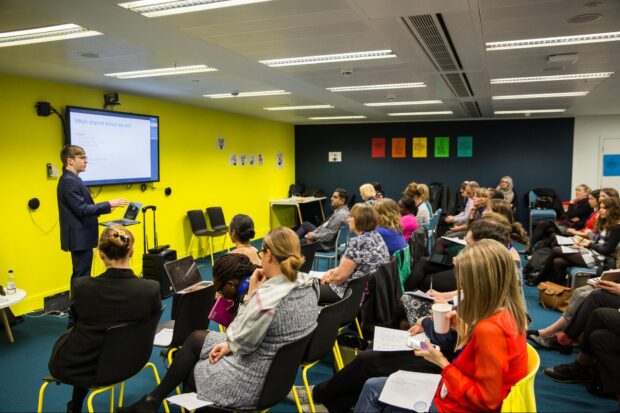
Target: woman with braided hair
<point>98,303</point>
<point>231,276</point>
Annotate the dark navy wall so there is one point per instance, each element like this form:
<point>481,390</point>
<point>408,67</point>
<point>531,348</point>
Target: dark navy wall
<point>535,152</point>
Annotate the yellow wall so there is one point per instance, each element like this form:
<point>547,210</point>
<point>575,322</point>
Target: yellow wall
<point>198,173</point>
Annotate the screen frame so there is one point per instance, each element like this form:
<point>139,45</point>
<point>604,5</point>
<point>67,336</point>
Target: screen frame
<point>131,181</point>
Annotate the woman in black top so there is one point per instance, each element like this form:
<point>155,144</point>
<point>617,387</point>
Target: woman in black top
<point>598,252</point>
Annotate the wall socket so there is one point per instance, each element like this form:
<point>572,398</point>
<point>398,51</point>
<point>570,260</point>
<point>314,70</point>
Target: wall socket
<point>52,171</point>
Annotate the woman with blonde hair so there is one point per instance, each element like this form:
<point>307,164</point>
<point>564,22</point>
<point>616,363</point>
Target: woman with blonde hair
<point>389,225</point>
<point>506,188</point>
<point>416,192</point>
<point>363,255</point>
<point>491,349</point>
<point>230,368</point>
<point>368,193</point>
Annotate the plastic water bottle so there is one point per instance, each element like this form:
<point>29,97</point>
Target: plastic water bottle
<point>10,284</point>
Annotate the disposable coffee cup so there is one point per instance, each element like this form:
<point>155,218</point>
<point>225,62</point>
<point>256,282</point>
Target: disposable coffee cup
<point>441,324</point>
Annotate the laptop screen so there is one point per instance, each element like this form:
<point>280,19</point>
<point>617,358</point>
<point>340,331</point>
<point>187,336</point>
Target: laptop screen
<point>132,211</point>
<point>183,273</point>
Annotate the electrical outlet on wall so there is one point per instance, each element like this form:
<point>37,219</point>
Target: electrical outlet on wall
<point>52,170</point>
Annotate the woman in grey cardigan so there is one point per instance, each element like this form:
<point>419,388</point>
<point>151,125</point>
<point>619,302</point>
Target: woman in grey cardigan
<point>229,368</point>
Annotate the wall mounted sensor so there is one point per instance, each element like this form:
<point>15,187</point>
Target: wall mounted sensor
<point>34,204</point>
<point>110,99</point>
<point>43,108</point>
<point>168,191</point>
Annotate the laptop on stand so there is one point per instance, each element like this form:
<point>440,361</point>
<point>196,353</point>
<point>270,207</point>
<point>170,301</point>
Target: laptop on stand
<point>131,213</point>
<point>184,275</point>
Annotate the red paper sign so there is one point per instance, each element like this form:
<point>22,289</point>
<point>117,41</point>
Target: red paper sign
<point>399,147</point>
<point>378,147</point>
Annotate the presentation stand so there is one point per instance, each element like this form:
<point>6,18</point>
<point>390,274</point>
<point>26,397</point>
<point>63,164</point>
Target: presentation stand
<point>294,202</point>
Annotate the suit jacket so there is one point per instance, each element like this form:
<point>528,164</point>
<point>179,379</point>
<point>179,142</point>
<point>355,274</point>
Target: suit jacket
<point>115,297</point>
<point>78,213</point>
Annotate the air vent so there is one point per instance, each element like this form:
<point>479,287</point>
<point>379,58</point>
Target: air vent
<point>472,109</point>
<point>430,32</point>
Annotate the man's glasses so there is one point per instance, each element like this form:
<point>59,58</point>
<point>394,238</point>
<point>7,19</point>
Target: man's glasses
<point>82,157</point>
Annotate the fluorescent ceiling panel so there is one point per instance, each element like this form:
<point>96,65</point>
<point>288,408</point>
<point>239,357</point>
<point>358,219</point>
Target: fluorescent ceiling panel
<point>413,102</point>
<point>514,112</point>
<point>329,58</point>
<point>540,95</point>
<point>300,107</point>
<point>580,76</point>
<point>554,41</point>
<point>158,8</point>
<point>168,71</point>
<point>338,117</point>
<point>376,87</point>
<point>45,34</point>
<point>248,94</point>
<point>439,112</point>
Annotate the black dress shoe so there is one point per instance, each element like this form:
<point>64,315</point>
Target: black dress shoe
<point>529,333</point>
<point>569,373</point>
<point>147,404</point>
<point>551,343</point>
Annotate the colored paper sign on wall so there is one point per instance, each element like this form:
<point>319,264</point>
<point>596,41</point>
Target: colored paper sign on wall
<point>399,147</point>
<point>378,147</point>
<point>465,146</point>
<point>420,146</point>
<point>611,165</point>
<point>442,147</point>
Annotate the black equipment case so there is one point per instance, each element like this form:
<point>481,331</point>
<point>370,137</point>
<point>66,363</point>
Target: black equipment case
<point>154,258</point>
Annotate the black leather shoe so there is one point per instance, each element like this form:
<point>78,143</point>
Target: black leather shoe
<point>529,333</point>
<point>569,373</point>
<point>551,343</point>
<point>147,404</point>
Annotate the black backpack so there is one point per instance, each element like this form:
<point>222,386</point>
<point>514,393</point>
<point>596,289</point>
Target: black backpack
<point>297,189</point>
<point>537,262</point>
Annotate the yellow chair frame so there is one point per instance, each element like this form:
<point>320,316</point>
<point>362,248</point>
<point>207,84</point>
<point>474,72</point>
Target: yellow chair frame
<point>336,351</point>
<point>522,397</point>
<point>98,390</point>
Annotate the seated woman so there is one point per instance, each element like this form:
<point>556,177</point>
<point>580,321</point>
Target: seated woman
<point>378,189</point>
<point>230,368</point>
<point>416,194</point>
<point>506,188</point>
<point>368,193</point>
<point>588,228</point>
<point>115,297</point>
<point>231,276</point>
<point>491,346</point>
<point>503,208</point>
<point>596,253</point>
<point>388,224</point>
<point>463,216</point>
<point>363,255</point>
<point>407,216</point>
<point>241,231</point>
<point>426,194</point>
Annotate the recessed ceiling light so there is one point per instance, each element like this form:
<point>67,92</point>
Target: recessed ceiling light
<point>376,87</point>
<point>45,34</point>
<point>157,8</point>
<point>88,55</point>
<point>580,76</point>
<point>328,58</point>
<point>515,112</point>
<point>300,107</point>
<point>554,41</point>
<point>248,94</point>
<point>338,117</point>
<point>439,112</point>
<point>540,95</point>
<point>167,71</point>
<point>413,102</point>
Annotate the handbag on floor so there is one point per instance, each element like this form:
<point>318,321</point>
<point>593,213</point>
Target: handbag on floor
<point>554,296</point>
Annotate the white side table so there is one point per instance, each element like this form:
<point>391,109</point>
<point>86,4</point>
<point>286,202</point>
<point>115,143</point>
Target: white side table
<point>5,302</point>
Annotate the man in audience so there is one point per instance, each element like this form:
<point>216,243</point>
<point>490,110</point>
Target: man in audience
<point>324,236</point>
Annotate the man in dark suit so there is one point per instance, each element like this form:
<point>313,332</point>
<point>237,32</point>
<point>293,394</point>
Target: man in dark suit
<point>78,212</point>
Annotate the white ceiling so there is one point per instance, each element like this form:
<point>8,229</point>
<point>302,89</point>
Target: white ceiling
<point>234,39</point>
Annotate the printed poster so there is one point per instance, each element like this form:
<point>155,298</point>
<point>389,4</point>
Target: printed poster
<point>242,160</point>
<point>221,143</point>
<point>420,146</point>
<point>261,159</point>
<point>442,147</point>
<point>233,160</point>
<point>378,147</point>
<point>279,160</point>
<point>611,165</point>
<point>399,147</point>
<point>464,146</point>
<point>251,159</point>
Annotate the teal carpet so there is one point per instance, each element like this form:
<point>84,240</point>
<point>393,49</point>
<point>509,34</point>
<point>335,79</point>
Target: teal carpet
<point>24,363</point>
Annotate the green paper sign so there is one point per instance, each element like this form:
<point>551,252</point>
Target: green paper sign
<point>465,146</point>
<point>442,147</point>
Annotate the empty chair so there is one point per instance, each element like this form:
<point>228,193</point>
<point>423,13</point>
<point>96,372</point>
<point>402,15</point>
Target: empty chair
<point>218,226</point>
<point>342,235</point>
<point>118,361</point>
<point>199,227</point>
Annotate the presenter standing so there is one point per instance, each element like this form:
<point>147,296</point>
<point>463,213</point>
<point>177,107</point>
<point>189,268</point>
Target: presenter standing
<point>78,212</point>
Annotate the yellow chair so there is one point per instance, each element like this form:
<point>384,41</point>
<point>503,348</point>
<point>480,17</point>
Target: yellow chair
<point>521,397</point>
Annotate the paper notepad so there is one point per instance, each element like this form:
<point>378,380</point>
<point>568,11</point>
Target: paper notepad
<point>389,339</point>
<point>163,338</point>
<point>189,401</point>
<point>565,240</point>
<point>455,240</point>
<point>410,390</point>
<point>569,250</point>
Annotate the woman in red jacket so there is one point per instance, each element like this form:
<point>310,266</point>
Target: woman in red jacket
<point>491,349</point>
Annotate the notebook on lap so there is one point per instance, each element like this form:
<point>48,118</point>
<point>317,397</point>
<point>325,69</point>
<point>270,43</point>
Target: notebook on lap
<point>131,213</point>
<point>184,275</point>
